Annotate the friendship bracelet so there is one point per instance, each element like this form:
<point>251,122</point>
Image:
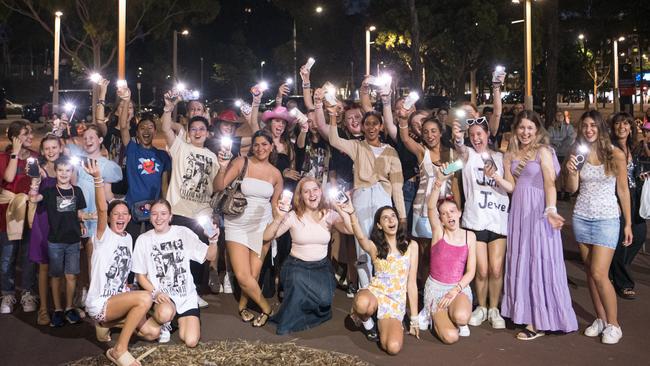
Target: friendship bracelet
<point>306,85</point>
<point>400,126</point>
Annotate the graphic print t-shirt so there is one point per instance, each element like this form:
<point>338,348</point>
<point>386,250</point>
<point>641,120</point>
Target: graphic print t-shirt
<point>144,170</point>
<point>165,258</point>
<point>193,170</point>
<point>111,265</point>
<point>62,206</point>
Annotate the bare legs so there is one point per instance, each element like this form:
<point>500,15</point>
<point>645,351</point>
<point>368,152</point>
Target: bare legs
<point>447,321</point>
<point>597,260</point>
<point>391,334</point>
<point>247,266</point>
<point>489,272</point>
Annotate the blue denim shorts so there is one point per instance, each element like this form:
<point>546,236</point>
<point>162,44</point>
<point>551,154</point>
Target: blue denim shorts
<point>64,259</point>
<point>597,232</point>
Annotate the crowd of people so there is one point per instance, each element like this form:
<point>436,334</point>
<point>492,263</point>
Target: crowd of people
<point>436,206</point>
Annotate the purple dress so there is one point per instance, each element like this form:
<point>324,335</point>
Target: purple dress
<point>535,287</point>
<point>40,228</point>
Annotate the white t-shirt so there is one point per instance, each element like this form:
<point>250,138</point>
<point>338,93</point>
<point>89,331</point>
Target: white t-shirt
<point>111,265</point>
<point>486,205</point>
<point>165,259</point>
<point>193,171</point>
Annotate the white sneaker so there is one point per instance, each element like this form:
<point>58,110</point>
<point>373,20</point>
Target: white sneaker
<point>596,328</point>
<point>28,301</point>
<point>7,305</point>
<point>424,319</point>
<point>612,334</point>
<point>463,331</point>
<point>202,303</point>
<point>494,317</point>
<point>479,315</point>
<point>165,333</point>
<point>227,282</point>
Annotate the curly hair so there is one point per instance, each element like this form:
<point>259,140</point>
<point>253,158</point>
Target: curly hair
<point>631,143</point>
<point>603,144</point>
<point>378,237</point>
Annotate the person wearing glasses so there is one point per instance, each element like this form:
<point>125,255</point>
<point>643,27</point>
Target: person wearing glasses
<point>194,169</point>
<point>486,209</point>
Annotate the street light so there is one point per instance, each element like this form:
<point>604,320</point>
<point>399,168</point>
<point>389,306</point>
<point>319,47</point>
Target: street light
<point>262,69</point>
<point>319,9</point>
<point>617,105</point>
<point>372,28</point>
<point>121,41</point>
<point>581,37</point>
<point>184,33</point>
<point>57,42</point>
<point>528,96</point>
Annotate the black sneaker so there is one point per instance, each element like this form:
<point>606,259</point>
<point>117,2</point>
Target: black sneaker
<point>372,334</point>
<point>58,319</point>
<point>351,291</point>
<point>72,316</point>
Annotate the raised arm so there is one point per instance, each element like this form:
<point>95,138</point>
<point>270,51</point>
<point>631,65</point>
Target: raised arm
<point>123,115</point>
<point>306,87</point>
<point>459,141</point>
<point>100,108</point>
<point>228,171</point>
<point>346,146</point>
<point>411,145</point>
<point>278,226</point>
<point>365,243</point>
<point>92,168</point>
<point>171,100</point>
<point>432,205</point>
<point>257,100</point>
<point>12,166</point>
<point>387,112</point>
<point>321,122</point>
<point>498,109</point>
<point>364,95</point>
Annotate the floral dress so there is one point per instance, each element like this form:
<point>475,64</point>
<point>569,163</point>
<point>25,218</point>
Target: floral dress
<point>389,285</point>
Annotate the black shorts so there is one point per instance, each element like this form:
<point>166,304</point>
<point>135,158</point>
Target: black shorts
<point>192,312</point>
<point>487,236</point>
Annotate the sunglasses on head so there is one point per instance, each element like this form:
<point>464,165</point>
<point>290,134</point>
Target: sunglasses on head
<point>476,121</point>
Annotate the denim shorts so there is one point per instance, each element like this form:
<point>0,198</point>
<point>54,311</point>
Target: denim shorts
<point>597,232</point>
<point>64,259</point>
<point>421,227</point>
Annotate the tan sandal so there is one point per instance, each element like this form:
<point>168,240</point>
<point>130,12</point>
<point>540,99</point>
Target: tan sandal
<point>102,334</point>
<point>126,359</point>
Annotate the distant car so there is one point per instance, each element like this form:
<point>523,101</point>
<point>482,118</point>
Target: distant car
<point>13,108</point>
<point>37,112</point>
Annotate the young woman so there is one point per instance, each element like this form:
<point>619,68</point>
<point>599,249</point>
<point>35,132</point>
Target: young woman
<point>377,179</point>
<point>602,179</point>
<point>307,274</point>
<point>161,262</point>
<point>262,185</point>
<point>13,239</point>
<point>486,214</point>
<point>109,300</point>
<point>535,288</point>
<point>51,150</point>
<point>396,263</point>
<point>562,137</point>
<point>447,296</point>
<point>623,134</point>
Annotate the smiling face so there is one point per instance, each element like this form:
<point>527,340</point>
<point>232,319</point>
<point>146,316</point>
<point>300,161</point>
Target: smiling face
<point>431,134</point>
<point>195,108</point>
<point>372,127</point>
<point>449,215</point>
<point>277,127</point>
<point>589,130</point>
<point>51,150</point>
<point>198,133</point>
<point>526,132</point>
<point>352,121</point>
<point>63,173</point>
<point>26,137</point>
<point>442,116</point>
<point>161,217</point>
<point>478,137</point>
<point>92,142</point>
<point>388,222</point>
<point>226,128</point>
<point>118,219</point>
<point>262,148</point>
<point>145,133</point>
<point>622,129</point>
<point>311,195</point>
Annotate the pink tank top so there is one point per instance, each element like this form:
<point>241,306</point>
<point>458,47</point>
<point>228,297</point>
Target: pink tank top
<point>448,261</point>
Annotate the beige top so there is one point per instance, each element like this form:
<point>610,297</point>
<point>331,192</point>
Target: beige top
<point>385,169</point>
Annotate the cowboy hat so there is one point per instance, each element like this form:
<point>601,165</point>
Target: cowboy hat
<point>280,113</point>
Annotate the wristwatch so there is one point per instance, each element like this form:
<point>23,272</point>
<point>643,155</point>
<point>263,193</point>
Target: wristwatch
<point>13,156</point>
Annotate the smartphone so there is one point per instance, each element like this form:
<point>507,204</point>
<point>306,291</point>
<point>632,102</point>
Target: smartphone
<point>410,100</point>
<point>581,155</point>
<point>338,195</point>
<point>461,115</point>
<point>310,63</point>
<point>32,168</point>
<point>226,146</point>
<point>285,201</point>
<point>206,223</point>
<point>453,167</point>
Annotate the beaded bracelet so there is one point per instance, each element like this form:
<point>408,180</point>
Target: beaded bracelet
<point>306,85</point>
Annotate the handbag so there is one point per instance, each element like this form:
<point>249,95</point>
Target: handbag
<point>644,208</point>
<point>232,202</point>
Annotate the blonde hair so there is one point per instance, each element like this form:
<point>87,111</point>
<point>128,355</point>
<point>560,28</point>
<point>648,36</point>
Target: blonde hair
<point>541,137</point>
<point>298,202</point>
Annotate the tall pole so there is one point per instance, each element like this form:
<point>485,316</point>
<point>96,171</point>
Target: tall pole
<point>617,106</point>
<point>121,41</point>
<point>528,98</point>
<point>57,41</point>
<point>202,91</point>
<point>367,51</point>
<point>175,55</point>
<point>295,59</point>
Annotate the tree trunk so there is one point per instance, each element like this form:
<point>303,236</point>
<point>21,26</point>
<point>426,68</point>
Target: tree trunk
<point>552,57</point>
<point>415,46</point>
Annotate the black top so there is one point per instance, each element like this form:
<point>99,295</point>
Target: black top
<point>409,161</point>
<point>343,165</point>
<point>213,143</point>
<point>62,206</point>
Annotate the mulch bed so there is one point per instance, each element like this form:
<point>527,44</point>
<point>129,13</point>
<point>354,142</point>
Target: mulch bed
<point>231,353</point>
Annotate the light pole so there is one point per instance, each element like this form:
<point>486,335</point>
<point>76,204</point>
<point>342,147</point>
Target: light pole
<point>121,41</point>
<point>372,28</point>
<point>528,45</point>
<point>184,32</point>
<point>617,104</point>
<point>295,58</point>
<point>57,42</point>
<point>262,69</point>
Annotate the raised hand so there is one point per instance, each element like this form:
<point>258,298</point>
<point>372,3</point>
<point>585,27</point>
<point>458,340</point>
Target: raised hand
<point>171,99</point>
<point>92,168</point>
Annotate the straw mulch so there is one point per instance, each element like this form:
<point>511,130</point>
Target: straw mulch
<point>231,353</point>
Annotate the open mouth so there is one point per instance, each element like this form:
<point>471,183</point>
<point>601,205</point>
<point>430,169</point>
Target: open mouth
<point>451,222</point>
<point>120,226</point>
